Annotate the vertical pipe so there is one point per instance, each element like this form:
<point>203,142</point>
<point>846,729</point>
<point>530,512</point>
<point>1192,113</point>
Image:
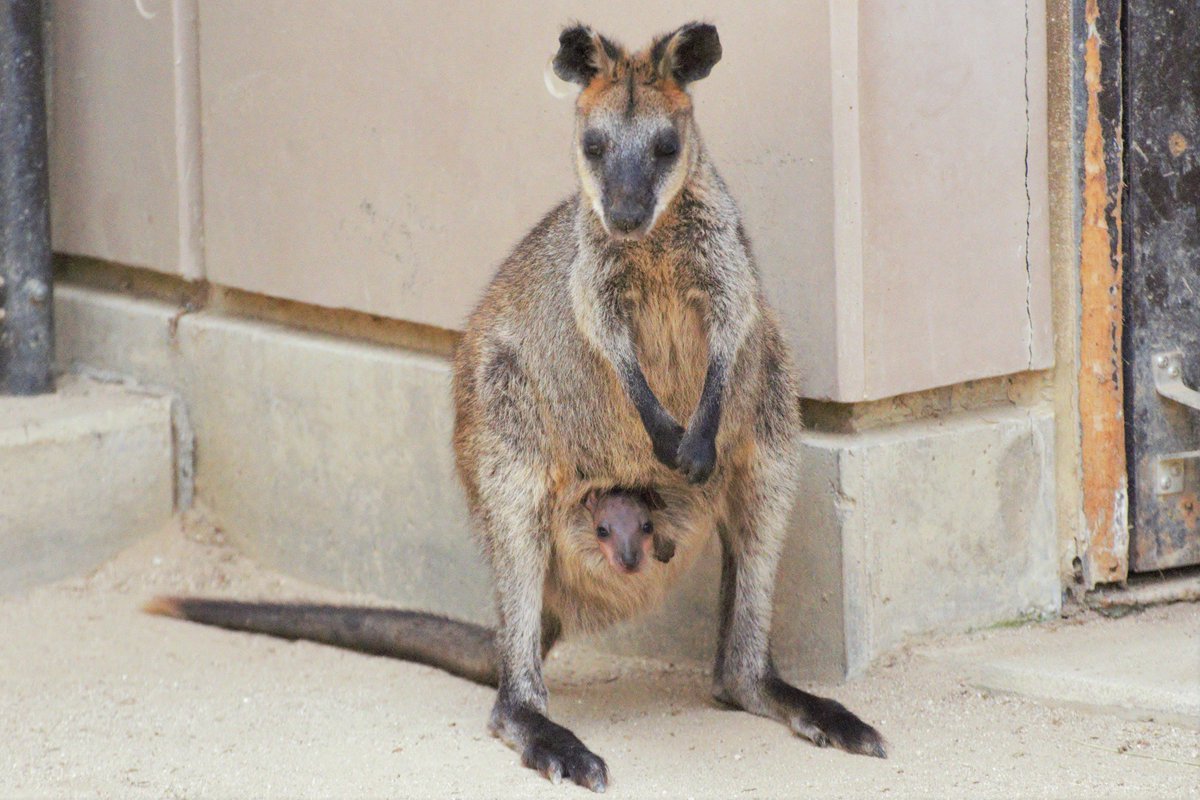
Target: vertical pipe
<point>26,328</point>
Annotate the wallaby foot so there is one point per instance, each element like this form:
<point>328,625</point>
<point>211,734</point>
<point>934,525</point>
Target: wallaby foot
<point>820,720</point>
<point>548,747</point>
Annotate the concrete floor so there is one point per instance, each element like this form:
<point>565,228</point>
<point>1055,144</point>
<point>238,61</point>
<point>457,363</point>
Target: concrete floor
<point>1146,667</point>
<point>99,700</point>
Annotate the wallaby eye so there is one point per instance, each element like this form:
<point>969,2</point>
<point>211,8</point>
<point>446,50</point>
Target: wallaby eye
<point>602,532</point>
<point>667,145</point>
<point>593,145</point>
<point>647,528</point>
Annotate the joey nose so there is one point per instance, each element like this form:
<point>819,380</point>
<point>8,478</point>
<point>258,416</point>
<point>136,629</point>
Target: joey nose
<point>631,559</point>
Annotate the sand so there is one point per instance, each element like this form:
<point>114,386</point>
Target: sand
<point>100,700</point>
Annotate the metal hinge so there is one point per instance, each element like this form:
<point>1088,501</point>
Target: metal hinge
<point>1170,469</point>
<point>1168,379</point>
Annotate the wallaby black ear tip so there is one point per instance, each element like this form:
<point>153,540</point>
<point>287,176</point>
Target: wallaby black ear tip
<point>574,32</point>
<point>704,41</point>
<point>576,59</point>
<point>689,53</point>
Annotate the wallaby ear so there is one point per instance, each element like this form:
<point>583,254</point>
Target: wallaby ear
<point>688,54</point>
<point>652,499</point>
<point>590,500</point>
<point>583,54</point>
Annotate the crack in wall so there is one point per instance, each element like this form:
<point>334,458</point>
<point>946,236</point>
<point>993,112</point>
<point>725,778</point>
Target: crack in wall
<point>1028,210</point>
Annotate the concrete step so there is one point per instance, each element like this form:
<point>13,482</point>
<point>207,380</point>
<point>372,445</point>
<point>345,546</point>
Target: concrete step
<point>83,473</point>
<point>1145,666</point>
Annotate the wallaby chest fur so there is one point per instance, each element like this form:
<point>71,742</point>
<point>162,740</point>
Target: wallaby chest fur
<point>528,371</point>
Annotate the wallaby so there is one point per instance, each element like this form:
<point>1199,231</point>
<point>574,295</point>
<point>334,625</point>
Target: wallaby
<point>624,528</point>
<point>632,307</point>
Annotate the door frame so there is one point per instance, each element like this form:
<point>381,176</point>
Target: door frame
<point>1097,112</point>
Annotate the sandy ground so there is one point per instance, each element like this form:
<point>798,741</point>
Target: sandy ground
<point>99,700</point>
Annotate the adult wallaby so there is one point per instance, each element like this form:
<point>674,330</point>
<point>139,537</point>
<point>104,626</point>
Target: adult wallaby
<point>631,308</point>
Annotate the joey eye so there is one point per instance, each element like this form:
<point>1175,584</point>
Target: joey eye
<point>602,532</point>
<point>647,528</point>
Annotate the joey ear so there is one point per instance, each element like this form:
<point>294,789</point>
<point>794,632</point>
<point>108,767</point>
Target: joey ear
<point>583,54</point>
<point>664,548</point>
<point>688,54</point>
<point>652,499</point>
<point>590,500</point>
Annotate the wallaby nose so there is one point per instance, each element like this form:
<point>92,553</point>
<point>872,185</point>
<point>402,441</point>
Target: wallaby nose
<point>627,219</point>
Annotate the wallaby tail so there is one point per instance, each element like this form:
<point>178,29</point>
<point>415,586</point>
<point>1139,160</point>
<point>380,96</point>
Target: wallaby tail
<point>460,648</point>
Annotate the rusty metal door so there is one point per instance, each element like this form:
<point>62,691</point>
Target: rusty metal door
<point>1161,339</point>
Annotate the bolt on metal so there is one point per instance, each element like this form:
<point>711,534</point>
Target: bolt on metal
<point>37,291</point>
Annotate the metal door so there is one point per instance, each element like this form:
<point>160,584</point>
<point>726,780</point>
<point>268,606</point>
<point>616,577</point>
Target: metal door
<point>1161,339</point>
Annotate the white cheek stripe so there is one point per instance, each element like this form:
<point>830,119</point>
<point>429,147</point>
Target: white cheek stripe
<point>590,190</point>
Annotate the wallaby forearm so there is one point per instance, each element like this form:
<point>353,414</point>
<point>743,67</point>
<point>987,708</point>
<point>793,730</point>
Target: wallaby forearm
<point>606,325</point>
<point>665,433</point>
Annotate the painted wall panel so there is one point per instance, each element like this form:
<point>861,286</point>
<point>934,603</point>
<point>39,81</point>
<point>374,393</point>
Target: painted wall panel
<point>386,156</point>
<point>114,182</point>
<point>955,256</point>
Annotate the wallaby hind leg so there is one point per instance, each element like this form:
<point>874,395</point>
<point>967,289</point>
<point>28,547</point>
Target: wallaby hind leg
<point>751,539</point>
<point>515,519</point>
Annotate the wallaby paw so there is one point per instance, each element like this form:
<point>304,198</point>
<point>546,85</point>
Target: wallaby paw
<point>841,728</point>
<point>666,445</point>
<point>829,723</point>
<point>824,722</point>
<point>851,734</point>
<point>697,457</point>
<point>558,757</point>
<point>806,730</point>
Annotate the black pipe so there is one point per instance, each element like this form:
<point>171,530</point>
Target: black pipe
<point>27,326</point>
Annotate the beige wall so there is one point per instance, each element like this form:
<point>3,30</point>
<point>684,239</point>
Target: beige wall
<point>384,156</point>
<point>955,248</point>
<point>116,186</point>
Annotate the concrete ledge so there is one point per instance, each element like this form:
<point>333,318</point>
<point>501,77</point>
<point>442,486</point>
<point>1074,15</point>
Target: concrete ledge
<point>941,526</point>
<point>330,459</point>
<point>322,457</point>
<point>83,473</point>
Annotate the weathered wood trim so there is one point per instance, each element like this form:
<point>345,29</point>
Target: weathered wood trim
<point>1101,403</point>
